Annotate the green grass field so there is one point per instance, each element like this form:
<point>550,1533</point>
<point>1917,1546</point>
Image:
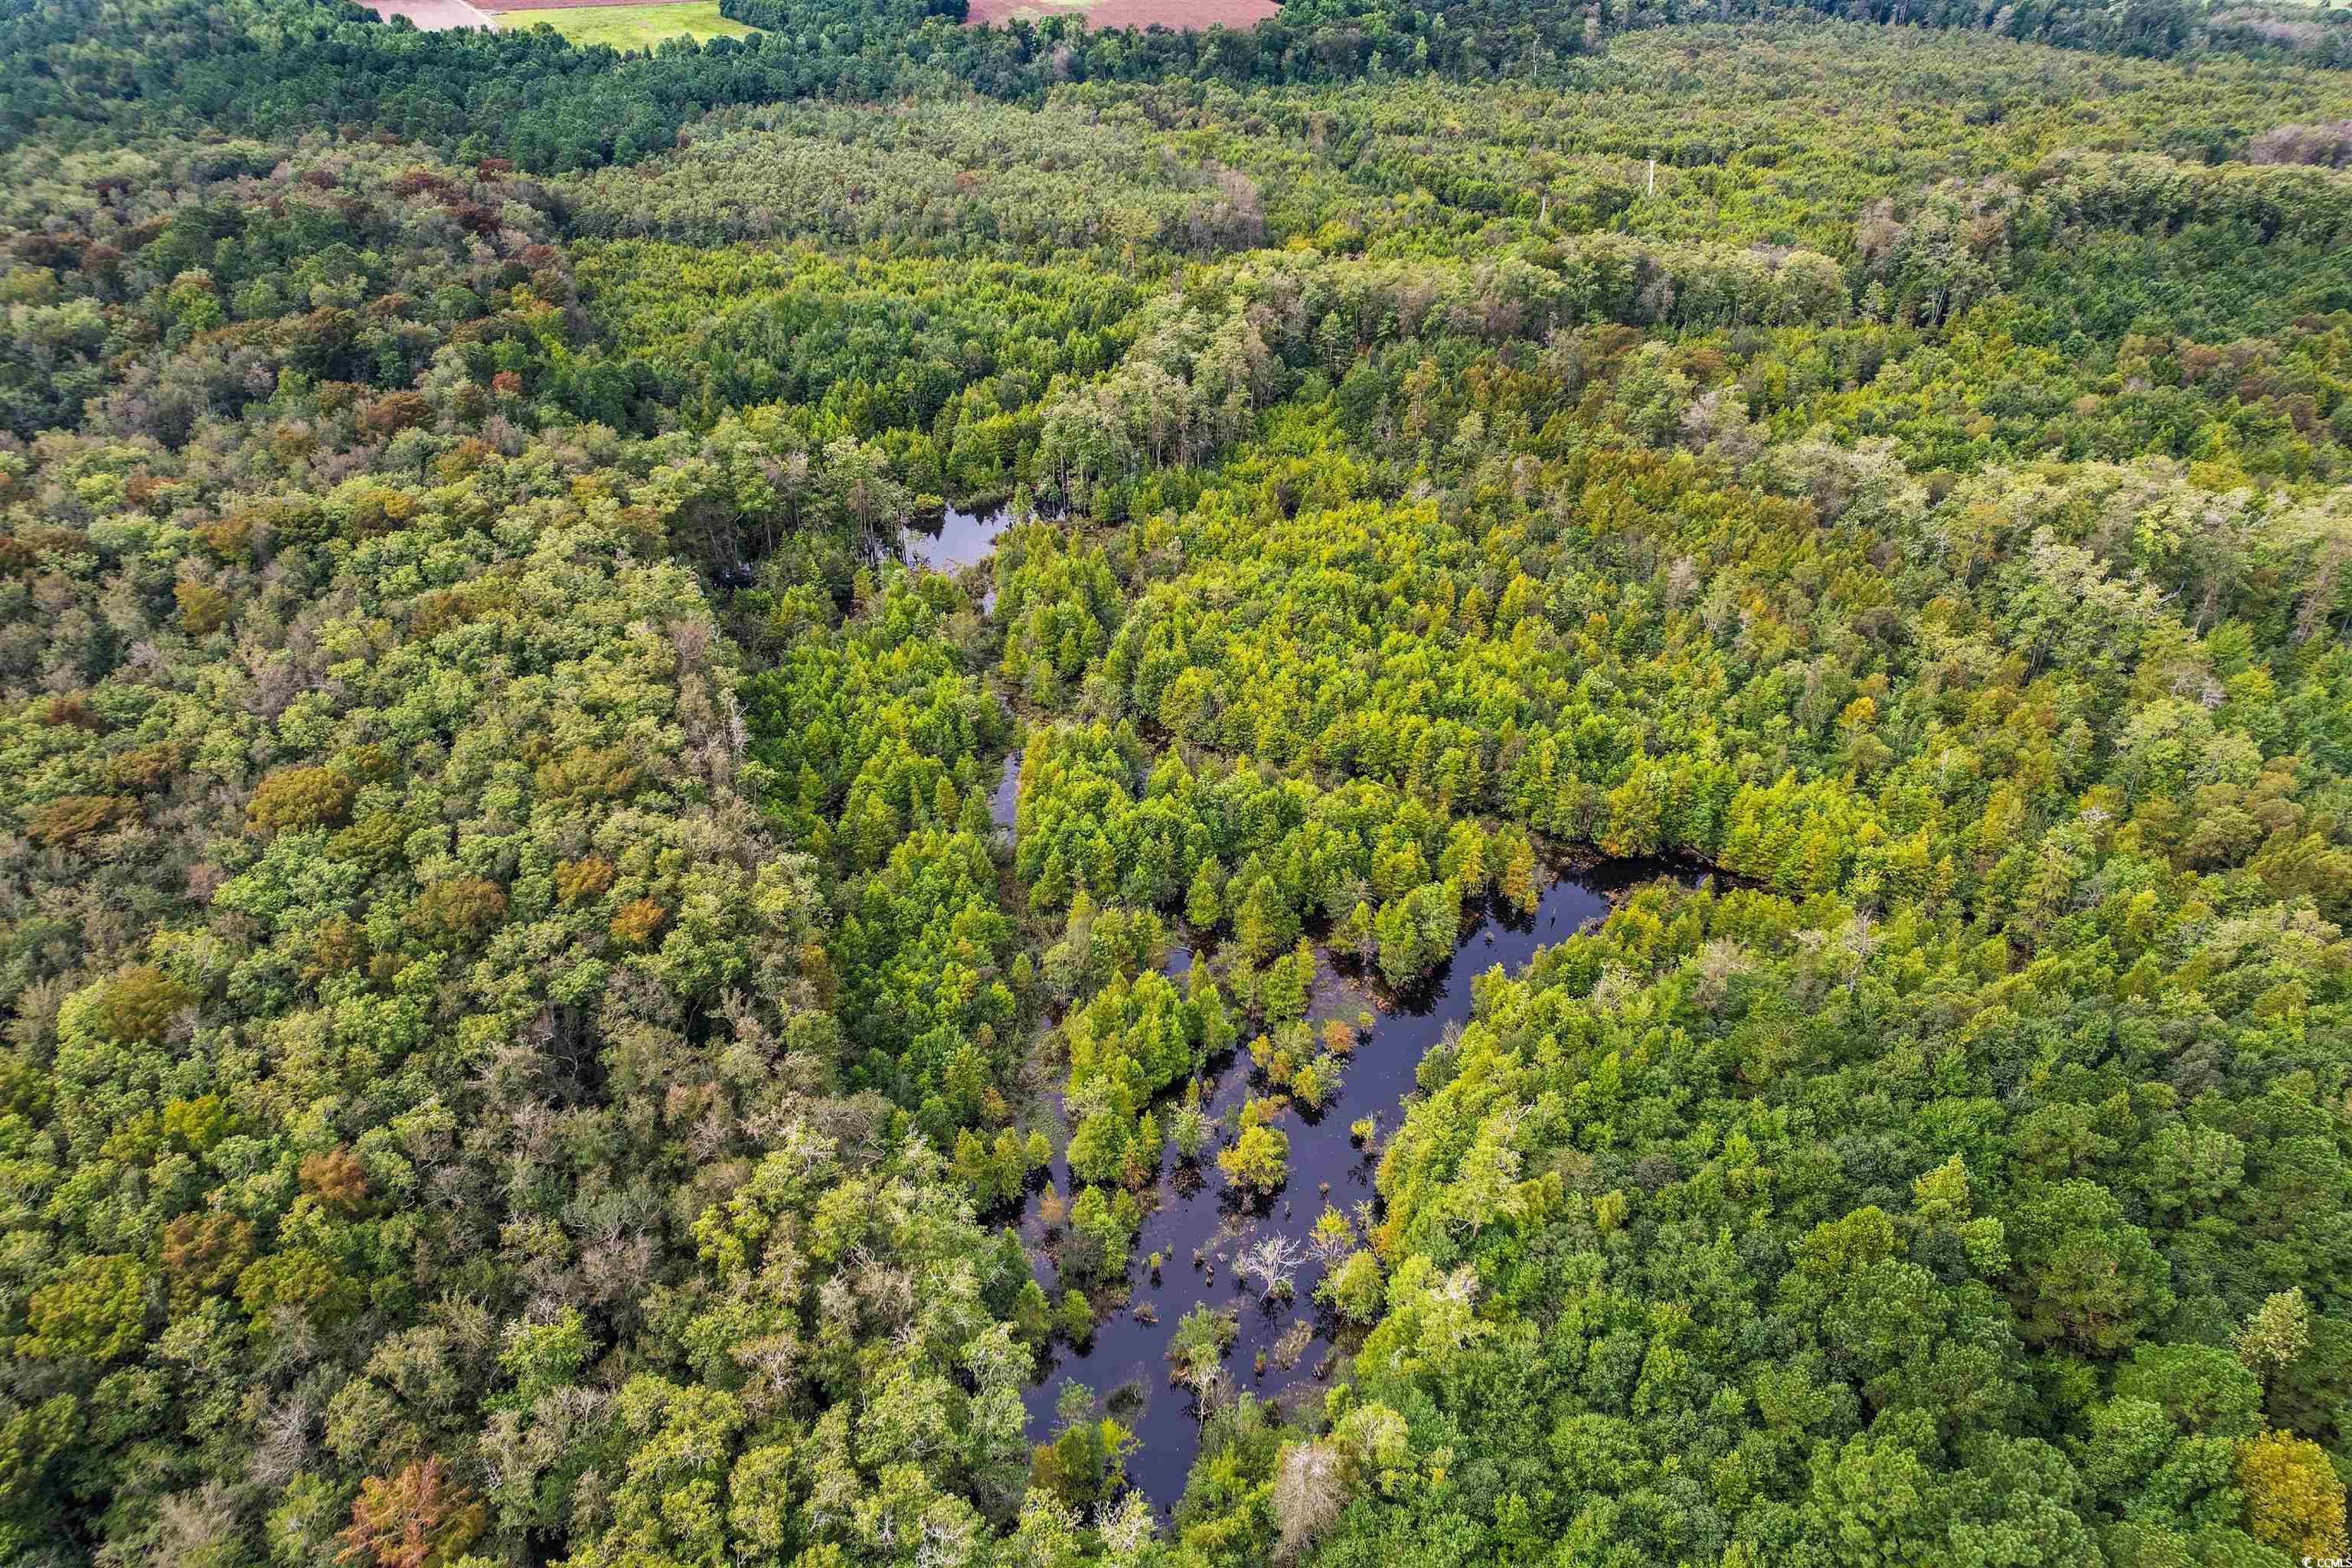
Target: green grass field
<point>631,27</point>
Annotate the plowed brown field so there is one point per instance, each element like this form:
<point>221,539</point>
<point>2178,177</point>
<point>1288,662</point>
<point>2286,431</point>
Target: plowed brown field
<point>432,16</point>
<point>1174,15</point>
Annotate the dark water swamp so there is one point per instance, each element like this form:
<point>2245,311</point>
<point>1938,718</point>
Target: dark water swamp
<point>1193,1209</point>
<point>1285,1347</point>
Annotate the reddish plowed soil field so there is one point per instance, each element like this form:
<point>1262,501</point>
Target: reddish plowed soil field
<point>562,5</point>
<point>432,16</point>
<point>1175,15</point>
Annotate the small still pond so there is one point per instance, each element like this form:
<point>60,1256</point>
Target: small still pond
<point>953,540</point>
<point>1195,1209</point>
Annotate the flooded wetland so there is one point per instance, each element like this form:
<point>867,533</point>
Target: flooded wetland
<point>1202,1229</point>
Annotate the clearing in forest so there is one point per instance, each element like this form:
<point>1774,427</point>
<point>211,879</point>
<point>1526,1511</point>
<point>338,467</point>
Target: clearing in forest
<point>641,26</point>
<point>432,16</point>
<point>622,27</point>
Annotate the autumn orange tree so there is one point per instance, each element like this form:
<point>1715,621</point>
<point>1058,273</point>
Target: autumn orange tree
<point>418,1519</point>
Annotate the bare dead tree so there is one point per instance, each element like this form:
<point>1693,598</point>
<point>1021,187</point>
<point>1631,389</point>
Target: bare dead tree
<point>1272,1262</point>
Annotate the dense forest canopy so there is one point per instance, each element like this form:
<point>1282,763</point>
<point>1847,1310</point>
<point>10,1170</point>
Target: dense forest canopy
<point>564,1006</point>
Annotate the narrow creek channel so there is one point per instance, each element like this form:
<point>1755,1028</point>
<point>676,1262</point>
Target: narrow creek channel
<point>1193,1209</point>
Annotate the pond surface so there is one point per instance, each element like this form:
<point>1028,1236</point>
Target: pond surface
<point>1127,1360</point>
<point>954,540</point>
